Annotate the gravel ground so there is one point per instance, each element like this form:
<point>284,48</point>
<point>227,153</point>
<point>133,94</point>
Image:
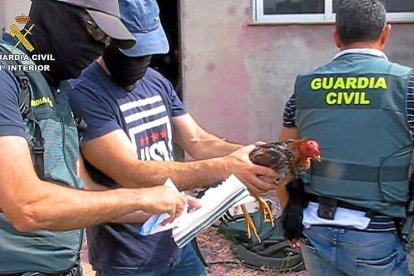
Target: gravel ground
<point>221,261</point>
<point>218,255</point>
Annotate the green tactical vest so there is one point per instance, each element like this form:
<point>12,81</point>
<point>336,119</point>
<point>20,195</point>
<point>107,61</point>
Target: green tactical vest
<point>45,251</point>
<point>355,107</point>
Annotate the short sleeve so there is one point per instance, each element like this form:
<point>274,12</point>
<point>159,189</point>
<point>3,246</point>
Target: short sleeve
<point>289,115</point>
<point>166,88</point>
<point>11,121</point>
<point>177,105</point>
<point>94,110</point>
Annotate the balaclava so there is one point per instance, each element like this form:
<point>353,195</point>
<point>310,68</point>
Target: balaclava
<point>60,30</point>
<point>125,70</point>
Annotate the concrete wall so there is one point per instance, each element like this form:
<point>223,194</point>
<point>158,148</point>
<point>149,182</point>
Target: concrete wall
<point>9,9</point>
<point>237,76</point>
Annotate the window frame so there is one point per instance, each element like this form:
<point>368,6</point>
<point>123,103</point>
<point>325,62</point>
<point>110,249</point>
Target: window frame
<point>321,18</point>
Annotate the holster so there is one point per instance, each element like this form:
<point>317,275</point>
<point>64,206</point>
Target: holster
<point>327,208</point>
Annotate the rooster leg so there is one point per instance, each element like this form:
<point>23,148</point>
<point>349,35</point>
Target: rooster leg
<point>265,208</point>
<point>249,224</point>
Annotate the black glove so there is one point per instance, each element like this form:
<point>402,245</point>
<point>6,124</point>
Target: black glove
<point>293,212</point>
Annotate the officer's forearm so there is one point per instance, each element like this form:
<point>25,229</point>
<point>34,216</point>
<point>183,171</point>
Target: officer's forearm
<point>89,184</point>
<point>52,207</point>
<point>32,204</point>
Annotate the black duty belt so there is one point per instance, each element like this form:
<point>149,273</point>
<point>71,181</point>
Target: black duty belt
<point>35,274</point>
<point>75,271</point>
<point>328,205</point>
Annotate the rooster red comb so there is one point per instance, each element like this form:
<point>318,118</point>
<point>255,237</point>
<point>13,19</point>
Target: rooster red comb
<point>310,148</point>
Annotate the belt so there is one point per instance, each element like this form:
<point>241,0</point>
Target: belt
<point>333,203</point>
<point>328,206</point>
<point>37,274</point>
<point>74,271</point>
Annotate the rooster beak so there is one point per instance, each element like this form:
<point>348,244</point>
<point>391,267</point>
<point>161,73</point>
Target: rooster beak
<point>317,158</point>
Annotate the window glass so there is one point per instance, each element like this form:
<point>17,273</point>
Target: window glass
<point>293,6</point>
<point>320,11</point>
<point>391,5</point>
<point>399,5</point>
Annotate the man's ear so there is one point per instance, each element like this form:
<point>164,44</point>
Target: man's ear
<point>337,40</point>
<point>385,36</point>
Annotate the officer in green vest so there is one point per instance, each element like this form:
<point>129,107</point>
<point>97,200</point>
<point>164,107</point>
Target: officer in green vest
<point>360,109</point>
<point>39,142</point>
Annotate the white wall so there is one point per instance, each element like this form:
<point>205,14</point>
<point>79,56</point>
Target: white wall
<point>9,9</point>
<point>237,76</point>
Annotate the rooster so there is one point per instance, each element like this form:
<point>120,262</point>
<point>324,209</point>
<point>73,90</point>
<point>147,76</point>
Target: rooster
<point>288,159</point>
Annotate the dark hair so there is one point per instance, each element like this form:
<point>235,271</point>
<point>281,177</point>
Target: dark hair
<point>360,20</point>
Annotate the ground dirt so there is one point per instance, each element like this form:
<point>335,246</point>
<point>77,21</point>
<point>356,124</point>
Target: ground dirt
<point>221,261</point>
<point>218,255</point>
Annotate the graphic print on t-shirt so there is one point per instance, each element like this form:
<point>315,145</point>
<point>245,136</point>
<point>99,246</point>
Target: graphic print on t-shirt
<point>149,128</point>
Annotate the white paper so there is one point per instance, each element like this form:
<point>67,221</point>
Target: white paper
<point>153,224</point>
<point>214,204</point>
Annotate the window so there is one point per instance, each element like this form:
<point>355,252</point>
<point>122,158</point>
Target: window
<point>320,11</point>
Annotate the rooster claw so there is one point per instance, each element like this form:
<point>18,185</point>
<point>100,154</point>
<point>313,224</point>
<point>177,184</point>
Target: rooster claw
<point>266,210</point>
<point>250,225</point>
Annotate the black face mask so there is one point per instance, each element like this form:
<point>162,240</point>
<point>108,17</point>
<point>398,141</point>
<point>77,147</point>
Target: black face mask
<point>125,71</point>
<point>63,34</point>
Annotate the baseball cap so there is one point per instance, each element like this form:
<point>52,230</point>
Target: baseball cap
<point>106,15</point>
<point>141,17</point>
